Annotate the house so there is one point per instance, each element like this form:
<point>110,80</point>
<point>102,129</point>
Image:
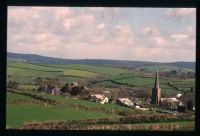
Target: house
<point>74,84</point>
<point>105,100</point>
<point>171,103</point>
<point>50,89</point>
<point>137,102</point>
<point>55,90</point>
<point>124,102</point>
<point>98,98</point>
<point>170,100</point>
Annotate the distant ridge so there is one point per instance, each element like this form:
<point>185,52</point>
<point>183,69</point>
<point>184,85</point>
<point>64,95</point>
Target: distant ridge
<point>121,63</point>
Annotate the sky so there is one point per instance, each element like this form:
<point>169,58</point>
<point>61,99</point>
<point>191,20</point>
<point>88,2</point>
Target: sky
<point>143,34</point>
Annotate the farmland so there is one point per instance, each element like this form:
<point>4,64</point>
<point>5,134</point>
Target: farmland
<point>22,109</point>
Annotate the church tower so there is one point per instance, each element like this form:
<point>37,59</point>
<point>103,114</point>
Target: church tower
<point>156,94</point>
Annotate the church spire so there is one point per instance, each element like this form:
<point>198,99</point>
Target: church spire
<point>156,85</point>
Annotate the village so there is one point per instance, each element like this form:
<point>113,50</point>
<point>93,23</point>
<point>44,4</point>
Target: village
<point>182,102</point>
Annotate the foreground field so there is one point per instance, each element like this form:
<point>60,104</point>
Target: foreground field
<point>19,114</point>
<point>21,109</point>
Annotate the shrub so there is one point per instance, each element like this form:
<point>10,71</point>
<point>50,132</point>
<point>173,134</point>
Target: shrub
<point>13,84</point>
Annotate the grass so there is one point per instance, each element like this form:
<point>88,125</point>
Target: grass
<point>18,114</point>
<point>13,96</point>
<point>165,68</point>
<point>98,69</point>
<point>80,73</point>
<point>28,87</point>
<point>90,104</point>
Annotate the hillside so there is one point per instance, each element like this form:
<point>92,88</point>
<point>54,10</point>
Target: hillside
<point>70,108</point>
<point>101,62</point>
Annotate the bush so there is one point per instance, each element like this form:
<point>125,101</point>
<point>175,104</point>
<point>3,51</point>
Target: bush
<point>13,84</point>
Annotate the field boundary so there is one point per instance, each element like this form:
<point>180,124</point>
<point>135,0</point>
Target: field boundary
<point>119,121</point>
<point>46,65</point>
<point>33,69</point>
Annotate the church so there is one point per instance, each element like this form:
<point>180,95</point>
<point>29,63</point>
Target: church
<point>156,92</point>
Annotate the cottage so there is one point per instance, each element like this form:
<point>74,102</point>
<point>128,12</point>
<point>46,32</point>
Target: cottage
<point>74,84</point>
<point>169,100</point>
<point>137,102</point>
<point>55,90</point>
<point>105,100</point>
<point>124,102</point>
<point>171,103</point>
<point>98,98</point>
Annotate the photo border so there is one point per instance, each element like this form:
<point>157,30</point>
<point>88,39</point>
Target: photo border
<point>90,3</point>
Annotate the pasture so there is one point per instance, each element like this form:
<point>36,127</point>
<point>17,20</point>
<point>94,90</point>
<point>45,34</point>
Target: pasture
<point>26,73</point>
<point>164,68</point>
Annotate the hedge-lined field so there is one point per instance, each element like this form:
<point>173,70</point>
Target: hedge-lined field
<point>16,115</point>
<point>165,68</point>
<point>138,122</point>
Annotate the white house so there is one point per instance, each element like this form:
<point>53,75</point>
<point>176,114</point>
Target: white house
<point>55,90</point>
<point>124,101</point>
<point>173,99</point>
<point>98,98</point>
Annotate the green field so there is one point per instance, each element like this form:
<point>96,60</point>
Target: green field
<point>26,73</point>
<point>165,68</point>
<point>98,69</point>
<point>18,114</point>
<point>12,96</point>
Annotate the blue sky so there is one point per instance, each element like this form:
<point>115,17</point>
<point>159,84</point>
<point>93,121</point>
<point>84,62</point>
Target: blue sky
<point>148,34</point>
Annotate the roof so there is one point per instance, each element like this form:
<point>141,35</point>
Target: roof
<point>169,99</point>
<point>75,83</point>
<point>156,84</point>
<point>126,100</point>
<point>98,96</point>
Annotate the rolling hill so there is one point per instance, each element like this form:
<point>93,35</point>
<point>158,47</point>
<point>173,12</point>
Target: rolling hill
<point>100,62</point>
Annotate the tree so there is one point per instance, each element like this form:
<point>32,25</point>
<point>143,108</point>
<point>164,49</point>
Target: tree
<point>144,93</point>
<point>190,75</point>
<point>174,73</point>
<point>190,105</point>
<point>183,75</point>
<point>13,84</point>
<point>39,81</point>
<point>65,88</point>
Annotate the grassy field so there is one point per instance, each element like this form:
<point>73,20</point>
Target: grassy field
<point>18,114</point>
<point>73,100</point>
<point>98,69</point>
<point>165,68</point>
<point>26,73</point>
<point>12,96</point>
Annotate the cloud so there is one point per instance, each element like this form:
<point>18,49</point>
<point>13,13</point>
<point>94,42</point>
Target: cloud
<point>96,9</point>
<point>177,14</point>
<point>160,41</point>
<point>149,30</point>
<point>85,33</point>
<point>62,13</point>
<point>179,37</point>
<point>101,26</point>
